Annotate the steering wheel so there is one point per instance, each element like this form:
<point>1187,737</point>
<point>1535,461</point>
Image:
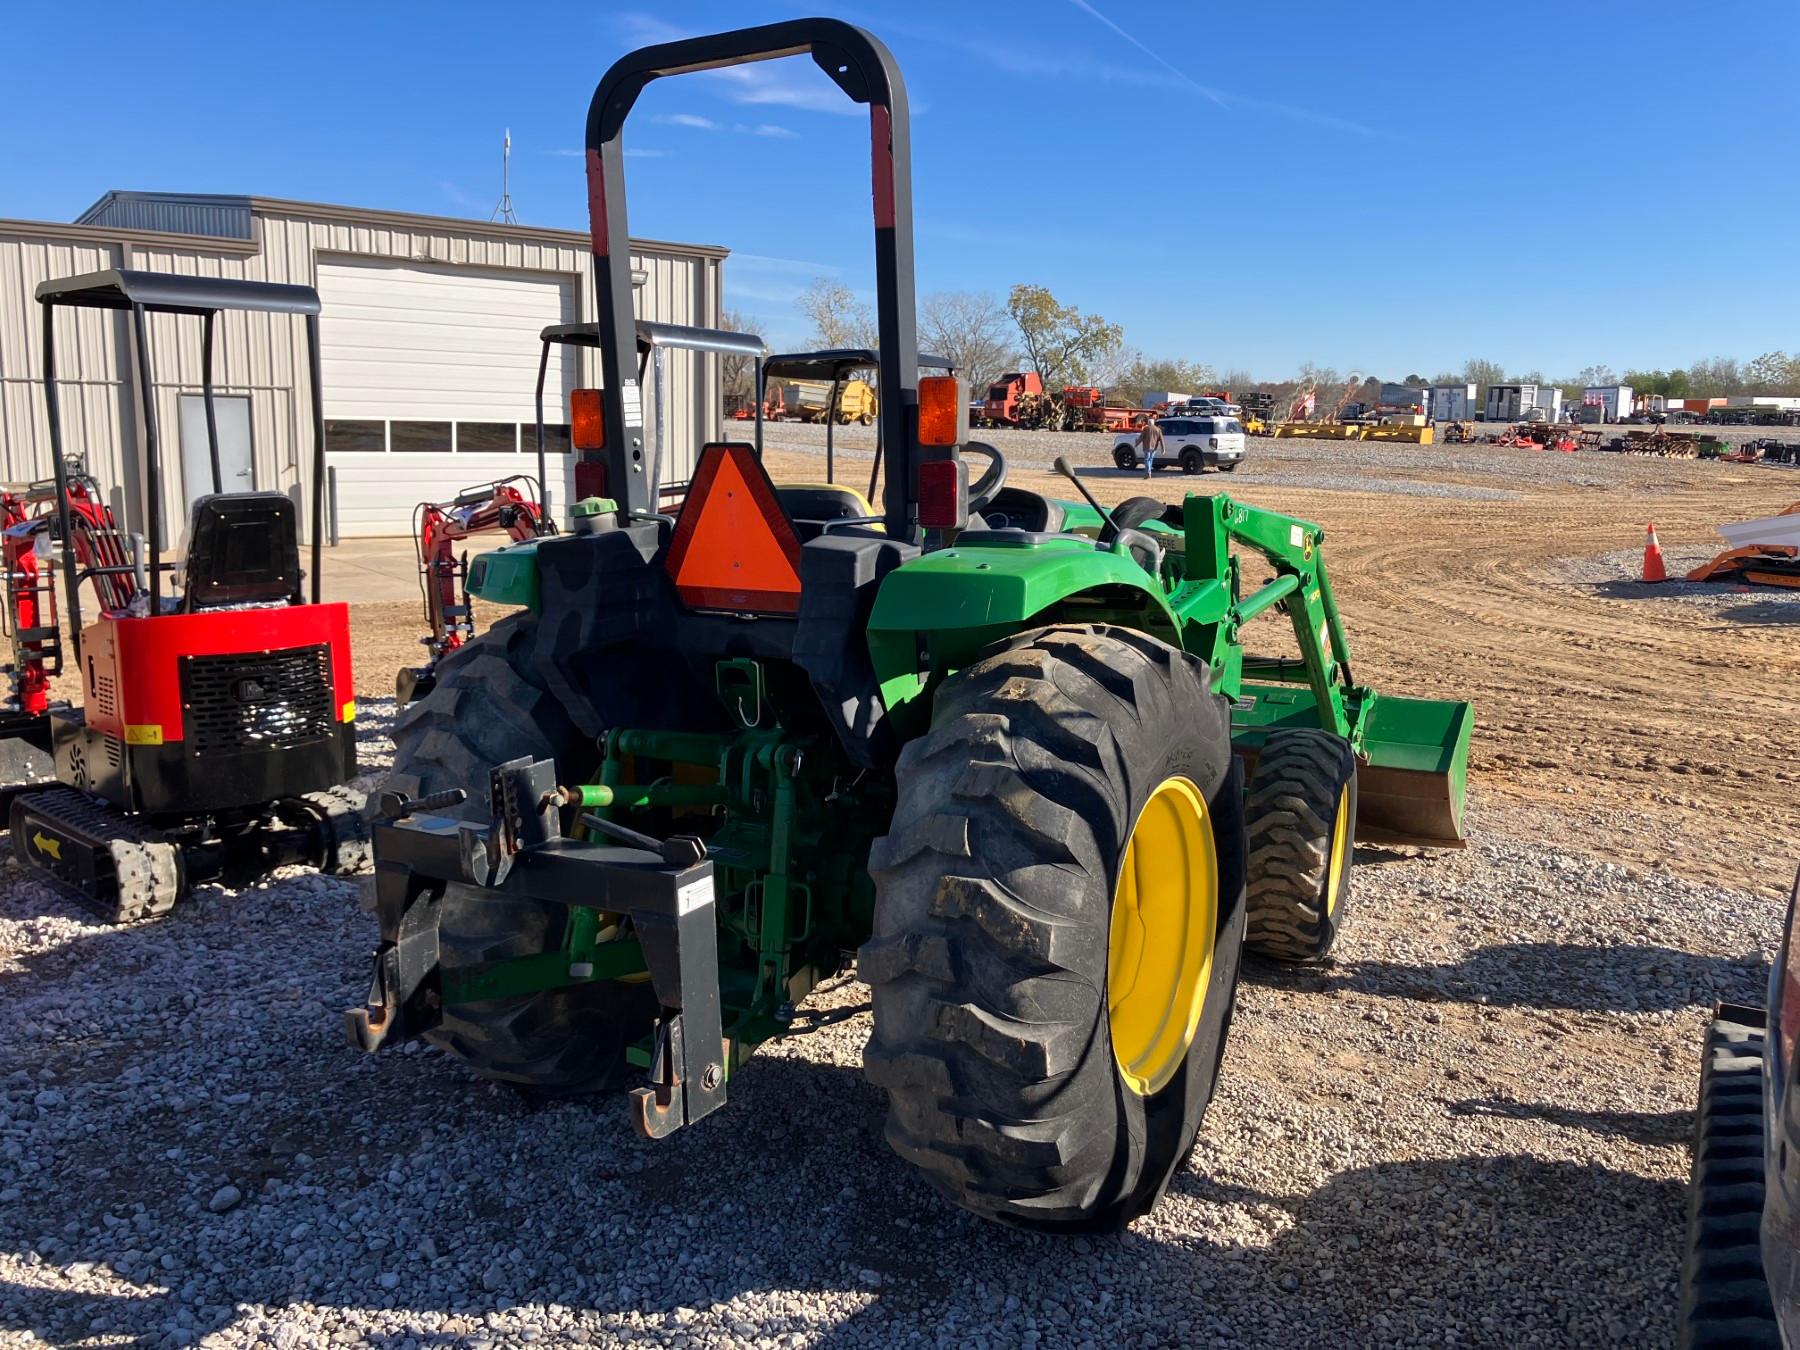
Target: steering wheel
<point>993,478</point>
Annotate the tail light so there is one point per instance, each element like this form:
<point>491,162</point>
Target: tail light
<point>943,411</point>
<point>1213,441</point>
<point>587,420</point>
<point>943,494</point>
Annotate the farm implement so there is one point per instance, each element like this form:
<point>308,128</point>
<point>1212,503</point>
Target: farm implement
<point>1012,751</point>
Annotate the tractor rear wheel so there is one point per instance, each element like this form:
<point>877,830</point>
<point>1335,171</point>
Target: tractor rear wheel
<point>490,706</point>
<point>1301,808</point>
<point>1059,915</point>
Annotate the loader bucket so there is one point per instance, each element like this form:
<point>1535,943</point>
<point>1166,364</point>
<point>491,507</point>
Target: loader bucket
<point>1410,784</point>
<point>1410,791</point>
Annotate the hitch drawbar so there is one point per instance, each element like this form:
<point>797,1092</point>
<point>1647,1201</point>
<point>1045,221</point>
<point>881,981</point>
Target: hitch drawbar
<point>665,888</point>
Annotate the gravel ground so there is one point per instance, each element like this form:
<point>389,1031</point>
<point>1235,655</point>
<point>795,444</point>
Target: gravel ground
<point>1617,576</point>
<point>1469,472</point>
<point>1468,1131</point>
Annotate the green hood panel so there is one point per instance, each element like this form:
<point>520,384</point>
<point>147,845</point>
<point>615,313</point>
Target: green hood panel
<point>977,586</point>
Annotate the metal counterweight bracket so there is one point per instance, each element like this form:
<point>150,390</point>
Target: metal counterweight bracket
<point>665,887</point>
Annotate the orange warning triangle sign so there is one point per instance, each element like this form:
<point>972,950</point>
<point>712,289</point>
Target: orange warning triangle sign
<point>734,547</point>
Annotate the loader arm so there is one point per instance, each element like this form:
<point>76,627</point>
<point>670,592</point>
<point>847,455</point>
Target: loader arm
<point>939,611</point>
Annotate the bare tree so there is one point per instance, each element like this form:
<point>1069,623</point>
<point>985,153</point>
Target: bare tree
<point>737,374</point>
<point>970,330</point>
<point>839,319</point>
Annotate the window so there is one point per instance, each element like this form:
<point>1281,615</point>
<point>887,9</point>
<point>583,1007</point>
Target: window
<point>365,437</point>
<point>556,439</point>
<point>489,437</point>
<point>1206,428</point>
<point>1231,428</point>
<point>1173,426</point>
<point>419,435</point>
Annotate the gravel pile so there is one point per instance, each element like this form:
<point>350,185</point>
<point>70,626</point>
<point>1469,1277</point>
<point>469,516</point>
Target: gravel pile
<point>1469,1131</point>
<point>1617,576</point>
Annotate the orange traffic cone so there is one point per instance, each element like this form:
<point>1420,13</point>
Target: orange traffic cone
<point>1653,559</point>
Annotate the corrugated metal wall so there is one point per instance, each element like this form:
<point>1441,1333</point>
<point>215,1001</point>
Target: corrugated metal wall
<point>264,355</point>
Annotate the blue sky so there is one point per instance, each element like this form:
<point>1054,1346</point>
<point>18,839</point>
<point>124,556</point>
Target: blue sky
<point>1390,188</point>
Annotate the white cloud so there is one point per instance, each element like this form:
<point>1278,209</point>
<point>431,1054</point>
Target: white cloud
<point>763,262</point>
<point>645,154</point>
<point>771,130</point>
<point>694,120</point>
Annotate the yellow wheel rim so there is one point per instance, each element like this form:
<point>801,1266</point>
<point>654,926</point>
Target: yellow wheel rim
<point>1165,918</point>
<point>1340,850</point>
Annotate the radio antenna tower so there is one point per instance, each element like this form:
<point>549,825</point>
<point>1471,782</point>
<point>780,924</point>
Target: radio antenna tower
<point>504,212</point>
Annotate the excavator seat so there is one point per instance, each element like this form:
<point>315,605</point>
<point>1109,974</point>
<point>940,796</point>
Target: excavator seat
<point>243,549</point>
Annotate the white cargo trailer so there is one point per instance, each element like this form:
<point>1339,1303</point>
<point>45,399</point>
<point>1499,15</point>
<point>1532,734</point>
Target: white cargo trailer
<point>1615,401</point>
<point>1451,402</point>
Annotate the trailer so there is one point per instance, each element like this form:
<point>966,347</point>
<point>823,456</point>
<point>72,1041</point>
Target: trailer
<point>1450,402</point>
<point>1615,402</point>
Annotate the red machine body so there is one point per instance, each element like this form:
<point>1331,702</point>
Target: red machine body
<point>1001,408</point>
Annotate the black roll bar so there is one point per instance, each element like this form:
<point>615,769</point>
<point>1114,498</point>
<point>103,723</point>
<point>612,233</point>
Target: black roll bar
<point>865,70</point>
<point>142,294</point>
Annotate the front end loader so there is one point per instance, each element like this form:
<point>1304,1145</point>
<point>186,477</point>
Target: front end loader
<point>1011,751</point>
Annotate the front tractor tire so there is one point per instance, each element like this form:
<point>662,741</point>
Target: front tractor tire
<point>1301,809</point>
<point>1059,915</point>
<point>489,705</point>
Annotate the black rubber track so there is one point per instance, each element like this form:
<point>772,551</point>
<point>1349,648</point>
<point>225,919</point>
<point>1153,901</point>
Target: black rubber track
<point>1291,810</point>
<point>994,895</point>
<point>1724,1297</point>
<point>490,706</point>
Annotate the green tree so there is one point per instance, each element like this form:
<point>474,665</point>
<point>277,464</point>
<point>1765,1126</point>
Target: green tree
<point>1716,377</point>
<point>1164,376</point>
<point>1772,373</point>
<point>1481,374</point>
<point>1060,341</point>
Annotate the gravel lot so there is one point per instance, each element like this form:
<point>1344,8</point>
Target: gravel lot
<point>1470,1130</point>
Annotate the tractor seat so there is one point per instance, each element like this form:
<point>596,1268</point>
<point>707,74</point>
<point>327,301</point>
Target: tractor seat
<point>813,506</point>
<point>243,549</point>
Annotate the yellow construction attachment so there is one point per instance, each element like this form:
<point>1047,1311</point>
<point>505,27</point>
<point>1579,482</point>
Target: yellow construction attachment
<point>1417,435</point>
<point>1325,431</point>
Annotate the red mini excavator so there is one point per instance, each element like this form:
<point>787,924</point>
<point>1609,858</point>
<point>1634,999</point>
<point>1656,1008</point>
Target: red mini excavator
<point>513,506</point>
<point>216,728</point>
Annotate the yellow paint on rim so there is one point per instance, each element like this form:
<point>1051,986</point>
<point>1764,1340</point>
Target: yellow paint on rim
<point>1340,850</point>
<point>1165,918</point>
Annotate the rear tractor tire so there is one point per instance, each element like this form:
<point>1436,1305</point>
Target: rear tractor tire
<point>1058,921</point>
<point>489,706</point>
<point>1301,809</point>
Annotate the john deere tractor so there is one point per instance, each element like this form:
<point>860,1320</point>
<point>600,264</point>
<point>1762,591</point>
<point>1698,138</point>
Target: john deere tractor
<point>1008,751</point>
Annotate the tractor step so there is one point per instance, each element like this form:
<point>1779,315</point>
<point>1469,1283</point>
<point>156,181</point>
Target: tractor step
<point>123,870</point>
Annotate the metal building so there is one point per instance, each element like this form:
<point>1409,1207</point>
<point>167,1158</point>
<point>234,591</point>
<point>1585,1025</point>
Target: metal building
<point>429,336</point>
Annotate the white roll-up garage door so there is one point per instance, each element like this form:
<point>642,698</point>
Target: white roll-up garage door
<point>429,379</point>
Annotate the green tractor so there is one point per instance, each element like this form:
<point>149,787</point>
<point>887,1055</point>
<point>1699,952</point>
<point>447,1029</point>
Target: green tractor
<point>1009,751</point>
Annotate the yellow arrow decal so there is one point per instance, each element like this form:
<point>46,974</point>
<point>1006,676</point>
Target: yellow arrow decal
<point>50,848</point>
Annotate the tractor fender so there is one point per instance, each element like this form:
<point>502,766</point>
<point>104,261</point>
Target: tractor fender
<point>938,611</point>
